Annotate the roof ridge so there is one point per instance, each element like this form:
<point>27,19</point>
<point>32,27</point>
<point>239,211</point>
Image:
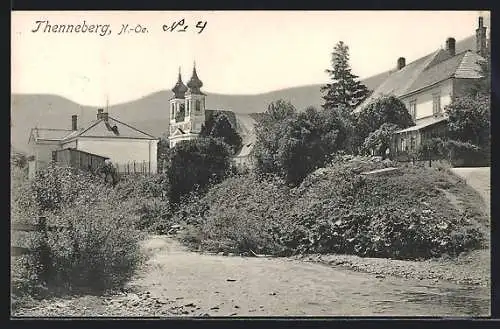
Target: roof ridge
<point>83,130</point>
<point>123,123</point>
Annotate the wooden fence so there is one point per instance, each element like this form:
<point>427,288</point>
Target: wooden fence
<point>40,227</point>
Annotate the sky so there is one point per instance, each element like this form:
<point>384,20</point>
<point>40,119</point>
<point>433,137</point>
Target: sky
<point>237,52</point>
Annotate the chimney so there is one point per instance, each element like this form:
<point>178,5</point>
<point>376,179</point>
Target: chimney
<point>450,46</point>
<point>99,114</point>
<point>74,124</point>
<point>481,38</point>
<point>401,63</point>
<point>105,116</point>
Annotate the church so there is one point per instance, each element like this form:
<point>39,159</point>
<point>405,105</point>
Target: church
<point>187,109</point>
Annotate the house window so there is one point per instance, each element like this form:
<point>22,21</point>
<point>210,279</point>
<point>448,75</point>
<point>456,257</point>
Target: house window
<point>413,109</point>
<point>198,106</point>
<point>54,156</point>
<point>403,144</point>
<point>436,104</point>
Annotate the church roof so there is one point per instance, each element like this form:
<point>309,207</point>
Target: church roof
<point>179,88</point>
<point>194,84</point>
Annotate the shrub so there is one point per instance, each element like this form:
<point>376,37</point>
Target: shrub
<point>196,164</point>
<point>99,248</point>
<point>336,210</point>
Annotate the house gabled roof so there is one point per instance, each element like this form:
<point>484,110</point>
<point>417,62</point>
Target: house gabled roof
<point>427,71</point>
<point>398,82</point>
<point>462,65</point>
<point>109,128</point>
<point>374,81</point>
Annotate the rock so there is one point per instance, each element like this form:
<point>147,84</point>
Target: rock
<point>273,294</point>
<point>190,305</point>
<point>231,280</point>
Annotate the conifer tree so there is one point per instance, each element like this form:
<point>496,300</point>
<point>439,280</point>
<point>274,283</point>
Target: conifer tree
<point>344,90</point>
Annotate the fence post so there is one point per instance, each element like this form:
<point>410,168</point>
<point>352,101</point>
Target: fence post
<point>45,261</point>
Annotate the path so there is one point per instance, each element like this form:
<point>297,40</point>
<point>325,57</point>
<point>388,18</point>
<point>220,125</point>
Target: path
<point>176,282</point>
<point>479,179</point>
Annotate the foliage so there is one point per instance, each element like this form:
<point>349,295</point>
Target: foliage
<point>455,152</point>
<point>336,210</point>
<point>18,159</point>
<point>297,143</point>
<point>344,90</point>
<point>162,153</point>
<point>380,140</point>
<point>269,131</point>
<point>383,110</point>
<point>98,249</point>
<point>195,164</point>
<point>469,119</point>
<point>219,126</point>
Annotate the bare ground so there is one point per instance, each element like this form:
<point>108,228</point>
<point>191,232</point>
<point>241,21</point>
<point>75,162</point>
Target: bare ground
<point>176,282</point>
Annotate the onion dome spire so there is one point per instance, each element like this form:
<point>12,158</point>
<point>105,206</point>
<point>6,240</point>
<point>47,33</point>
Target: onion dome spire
<point>179,88</point>
<point>195,83</point>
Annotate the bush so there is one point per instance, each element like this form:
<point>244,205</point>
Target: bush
<point>337,210</point>
<point>99,248</point>
<point>195,164</point>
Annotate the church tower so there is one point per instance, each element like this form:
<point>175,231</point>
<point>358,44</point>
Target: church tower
<point>195,102</point>
<point>187,109</point>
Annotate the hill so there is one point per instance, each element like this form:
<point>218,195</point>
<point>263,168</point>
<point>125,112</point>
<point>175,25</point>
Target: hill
<point>149,113</point>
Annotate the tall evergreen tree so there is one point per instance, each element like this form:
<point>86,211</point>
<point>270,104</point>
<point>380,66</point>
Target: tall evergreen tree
<point>344,91</point>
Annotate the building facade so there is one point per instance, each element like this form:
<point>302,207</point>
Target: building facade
<point>106,136</point>
<point>427,85</point>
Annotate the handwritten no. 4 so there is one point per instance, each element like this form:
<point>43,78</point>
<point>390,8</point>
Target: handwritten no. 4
<point>179,26</point>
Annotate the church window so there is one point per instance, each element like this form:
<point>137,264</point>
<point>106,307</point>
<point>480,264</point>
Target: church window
<point>179,117</point>
<point>198,105</point>
<point>187,108</point>
<point>172,110</point>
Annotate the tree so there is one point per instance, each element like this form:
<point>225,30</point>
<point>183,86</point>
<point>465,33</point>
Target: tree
<point>379,140</point>
<point>344,91</point>
<point>269,130</point>
<point>384,110</point>
<point>292,144</point>
<point>469,116</point>
<point>469,119</point>
<point>195,164</point>
<point>219,126</point>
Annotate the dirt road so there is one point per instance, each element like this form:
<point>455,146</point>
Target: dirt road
<point>176,282</point>
<point>479,179</point>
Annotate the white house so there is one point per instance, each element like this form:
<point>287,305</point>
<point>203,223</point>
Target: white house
<point>429,83</point>
<point>106,136</point>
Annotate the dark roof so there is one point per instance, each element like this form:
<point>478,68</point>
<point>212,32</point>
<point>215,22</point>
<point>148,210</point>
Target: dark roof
<point>462,65</point>
<point>398,82</point>
<point>374,81</point>
<point>426,71</point>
